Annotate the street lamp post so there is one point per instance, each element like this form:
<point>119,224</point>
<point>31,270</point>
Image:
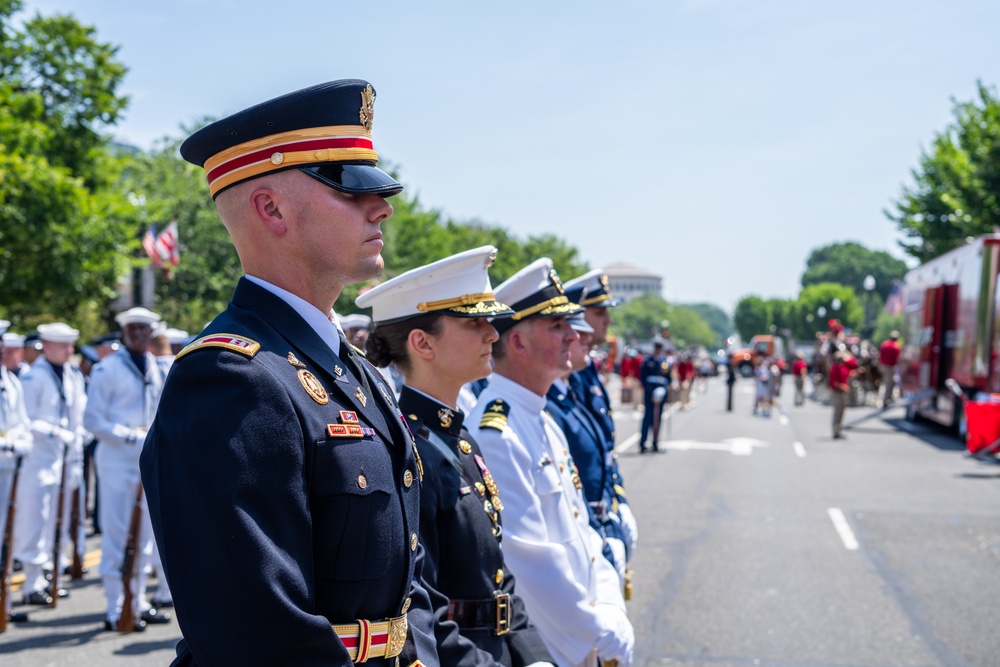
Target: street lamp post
<point>869,286</point>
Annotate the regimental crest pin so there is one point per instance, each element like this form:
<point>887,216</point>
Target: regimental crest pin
<point>313,387</point>
<point>338,371</point>
<point>293,360</point>
<point>361,397</point>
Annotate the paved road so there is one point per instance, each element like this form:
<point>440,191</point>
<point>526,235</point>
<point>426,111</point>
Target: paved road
<point>763,542</point>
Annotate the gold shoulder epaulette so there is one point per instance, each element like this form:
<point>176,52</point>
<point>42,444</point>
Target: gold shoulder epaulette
<point>225,341</point>
<point>620,490</point>
<point>495,415</point>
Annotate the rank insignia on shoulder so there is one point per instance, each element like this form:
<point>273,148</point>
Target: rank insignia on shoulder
<point>226,341</point>
<point>495,415</point>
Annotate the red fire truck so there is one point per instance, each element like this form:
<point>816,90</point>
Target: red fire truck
<point>952,330</point>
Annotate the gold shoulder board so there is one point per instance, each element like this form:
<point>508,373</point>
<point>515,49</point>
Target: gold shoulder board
<point>225,341</point>
<point>495,415</point>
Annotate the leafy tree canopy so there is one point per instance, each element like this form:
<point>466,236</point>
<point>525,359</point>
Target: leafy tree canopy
<point>648,315</point>
<point>956,190</point>
<point>717,319</point>
<point>849,263</point>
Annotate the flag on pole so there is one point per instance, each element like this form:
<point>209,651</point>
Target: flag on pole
<point>149,245</point>
<point>166,245</point>
<point>894,302</point>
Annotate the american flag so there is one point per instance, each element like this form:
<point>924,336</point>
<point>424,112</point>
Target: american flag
<point>162,249</point>
<point>894,302</point>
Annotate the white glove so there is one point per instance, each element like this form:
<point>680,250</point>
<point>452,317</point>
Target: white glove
<point>629,527</point>
<point>541,664</point>
<point>618,551</point>
<point>617,640</point>
<point>67,436</point>
<point>137,437</point>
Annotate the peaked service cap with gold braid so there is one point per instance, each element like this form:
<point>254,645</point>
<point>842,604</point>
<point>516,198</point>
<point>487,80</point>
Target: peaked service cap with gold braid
<point>325,131</point>
<point>534,291</point>
<point>458,286</point>
<point>598,289</point>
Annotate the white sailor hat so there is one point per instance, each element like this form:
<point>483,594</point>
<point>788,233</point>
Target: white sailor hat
<point>355,321</point>
<point>534,291</point>
<point>176,336</point>
<point>458,286</point>
<point>137,315</point>
<point>11,339</point>
<point>3,326</point>
<point>58,332</point>
<point>598,290</point>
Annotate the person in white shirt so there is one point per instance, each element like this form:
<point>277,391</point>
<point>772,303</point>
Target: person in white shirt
<point>54,397</point>
<point>122,398</point>
<point>15,444</point>
<point>571,591</point>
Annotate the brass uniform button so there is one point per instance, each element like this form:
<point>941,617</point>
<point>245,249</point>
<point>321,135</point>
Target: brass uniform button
<point>413,542</point>
<point>407,479</point>
<point>362,481</point>
<point>561,467</point>
<point>576,512</point>
<point>465,447</point>
<point>499,576</point>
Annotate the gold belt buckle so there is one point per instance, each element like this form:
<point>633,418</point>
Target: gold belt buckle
<point>503,613</point>
<point>397,636</point>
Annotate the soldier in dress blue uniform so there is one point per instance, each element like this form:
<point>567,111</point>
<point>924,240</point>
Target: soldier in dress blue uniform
<point>593,289</point>
<point>655,376</point>
<point>432,324</point>
<point>279,471</point>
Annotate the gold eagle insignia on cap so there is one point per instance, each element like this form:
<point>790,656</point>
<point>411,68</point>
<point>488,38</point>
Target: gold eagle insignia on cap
<point>367,113</point>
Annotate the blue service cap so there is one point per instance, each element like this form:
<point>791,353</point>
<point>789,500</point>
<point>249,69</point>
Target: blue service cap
<point>325,131</point>
<point>598,289</point>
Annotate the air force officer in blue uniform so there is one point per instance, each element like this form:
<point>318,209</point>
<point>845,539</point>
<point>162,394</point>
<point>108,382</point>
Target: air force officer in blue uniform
<point>279,471</point>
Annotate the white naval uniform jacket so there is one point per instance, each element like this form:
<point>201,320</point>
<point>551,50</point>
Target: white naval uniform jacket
<point>15,437</point>
<point>119,400</point>
<point>56,413</point>
<point>569,588</point>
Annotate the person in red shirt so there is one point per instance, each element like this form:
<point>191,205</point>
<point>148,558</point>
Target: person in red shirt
<point>685,377</point>
<point>630,378</point>
<point>840,384</point>
<point>888,358</point>
<point>799,371</point>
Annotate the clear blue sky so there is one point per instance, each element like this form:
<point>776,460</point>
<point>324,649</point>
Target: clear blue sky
<point>715,142</point>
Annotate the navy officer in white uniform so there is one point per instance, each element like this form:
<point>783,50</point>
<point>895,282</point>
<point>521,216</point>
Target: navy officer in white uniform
<point>573,594</point>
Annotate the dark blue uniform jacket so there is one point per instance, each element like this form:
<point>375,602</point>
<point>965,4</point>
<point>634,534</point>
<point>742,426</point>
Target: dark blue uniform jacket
<point>460,529</point>
<point>270,528</point>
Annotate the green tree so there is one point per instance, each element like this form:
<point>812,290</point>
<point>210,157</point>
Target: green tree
<point>644,316</point>
<point>849,263</point>
<point>818,304</point>
<point>717,319</point>
<point>163,188</point>
<point>751,317</point>
<point>64,234</point>
<point>956,191</point>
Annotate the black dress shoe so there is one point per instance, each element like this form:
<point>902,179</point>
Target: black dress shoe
<point>40,598</point>
<point>140,626</point>
<point>68,570</point>
<point>159,604</point>
<point>17,617</point>
<point>155,617</point>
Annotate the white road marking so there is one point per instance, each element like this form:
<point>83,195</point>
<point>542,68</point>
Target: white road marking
<point>800,451</point>
<point>843,529</point>
<point>628,443</point>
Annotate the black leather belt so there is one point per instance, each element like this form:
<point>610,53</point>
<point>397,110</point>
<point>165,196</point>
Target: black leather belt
<point>491,614</point>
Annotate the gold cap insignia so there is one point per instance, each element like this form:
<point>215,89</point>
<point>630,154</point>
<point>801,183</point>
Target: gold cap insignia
<point>313,387</point>
<point>367,113</point>
<point>556,281</point>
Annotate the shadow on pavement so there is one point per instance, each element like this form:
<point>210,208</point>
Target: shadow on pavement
<point>142,648</point>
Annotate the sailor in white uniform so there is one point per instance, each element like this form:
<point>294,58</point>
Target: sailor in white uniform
<point>54,397</point>
<point>124,392</point>
<point>572,592</point>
